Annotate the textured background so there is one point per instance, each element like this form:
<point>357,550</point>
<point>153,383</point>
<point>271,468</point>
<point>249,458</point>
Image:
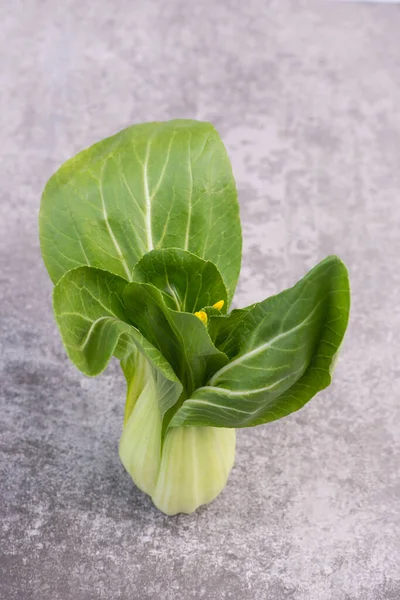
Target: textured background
<point>306,97</point>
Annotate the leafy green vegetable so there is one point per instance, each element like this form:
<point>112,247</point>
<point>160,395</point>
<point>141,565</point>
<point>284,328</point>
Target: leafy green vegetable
<point>284,351</point>
<point>151,186</point>
<point>141,236</point>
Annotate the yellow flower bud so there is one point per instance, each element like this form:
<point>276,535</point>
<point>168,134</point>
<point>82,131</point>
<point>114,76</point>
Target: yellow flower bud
<point>219,305</point>
<point>202,316</point>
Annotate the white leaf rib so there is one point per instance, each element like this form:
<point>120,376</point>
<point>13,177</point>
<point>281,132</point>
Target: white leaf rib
<point>110,231</point>
<point>166,224</point>
<point>202,402</point>
<point>90,331</point>
<point>190,197</point>
<point>73,314</point>
<point>150,245</point>
<point>157,187</point>
<point>128,189</point>
<point>173,293</point>
<point>247,393</point>
<point>79,237</point>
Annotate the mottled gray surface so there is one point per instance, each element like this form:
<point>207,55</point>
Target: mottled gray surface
<point>306,96</point>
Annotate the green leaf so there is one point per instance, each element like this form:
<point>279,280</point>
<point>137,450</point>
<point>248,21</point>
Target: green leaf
<point>151,186</point>
<point>180,337</point>
<point>287,347</point>
<point>187,282</point>
<point>94,326</point>
<point>224,329</point>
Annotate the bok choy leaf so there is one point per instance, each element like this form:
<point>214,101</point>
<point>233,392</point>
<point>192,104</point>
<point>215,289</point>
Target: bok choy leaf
<point>141,236</point>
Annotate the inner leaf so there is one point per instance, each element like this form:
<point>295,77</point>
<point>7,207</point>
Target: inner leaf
<point>187,282</point>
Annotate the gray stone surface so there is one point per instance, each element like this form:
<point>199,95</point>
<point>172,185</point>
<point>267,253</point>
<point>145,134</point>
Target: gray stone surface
<point>306,96</point>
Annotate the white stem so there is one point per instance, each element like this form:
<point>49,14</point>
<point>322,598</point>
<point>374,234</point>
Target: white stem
<point>191,469</point>
<point>195,465</point>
